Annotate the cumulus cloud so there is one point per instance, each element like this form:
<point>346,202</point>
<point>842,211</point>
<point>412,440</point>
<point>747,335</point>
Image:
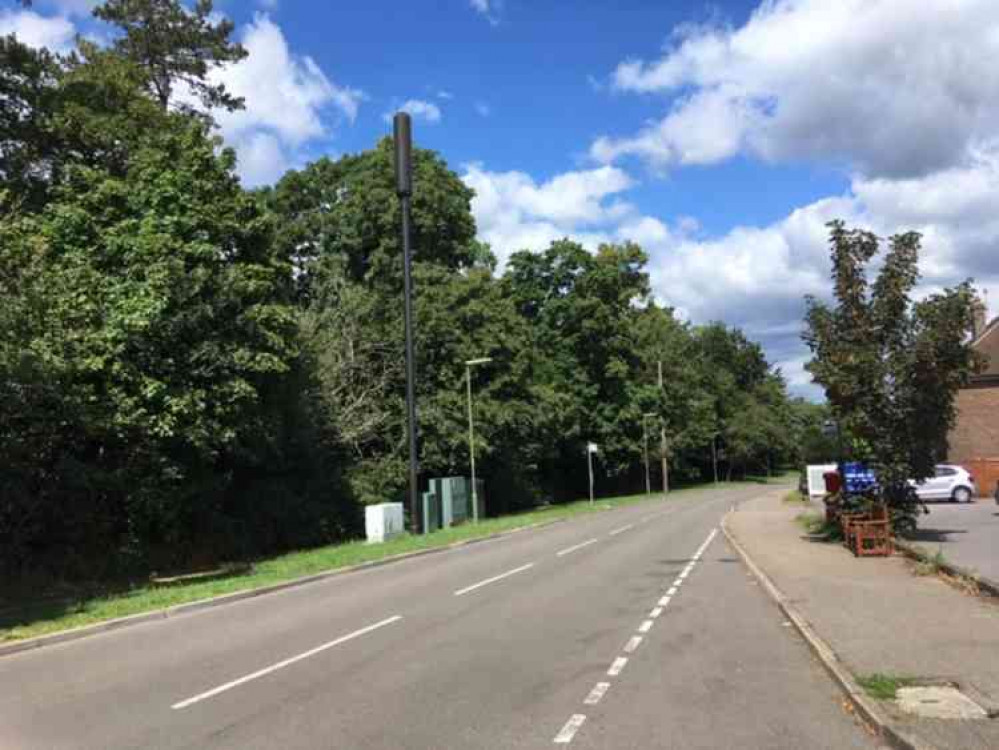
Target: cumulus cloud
<point>489,9</point>
<point>890,88</point>
<point>54,32</point>
<point>289,102</point>
<point>418,110</point>
<point>754,277</point>
<point>514,212</point>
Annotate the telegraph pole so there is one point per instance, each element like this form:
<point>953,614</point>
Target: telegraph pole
<point>402,131</point>
<point>662,440</point>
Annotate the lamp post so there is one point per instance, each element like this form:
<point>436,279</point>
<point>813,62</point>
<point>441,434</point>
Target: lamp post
<point>402,132</point>
<point>645,440</point>
<point>469,364</point>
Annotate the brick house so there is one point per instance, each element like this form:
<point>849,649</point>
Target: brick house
<point>974,441</point>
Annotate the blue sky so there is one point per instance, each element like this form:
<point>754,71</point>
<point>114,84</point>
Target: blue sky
<point>721,136</point>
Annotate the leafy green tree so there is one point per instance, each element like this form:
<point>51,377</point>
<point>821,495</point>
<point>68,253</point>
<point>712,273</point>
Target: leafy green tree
<point>346,212</point>
<point>891,366</point>
<point>153,337</point>
<point>176,46</point>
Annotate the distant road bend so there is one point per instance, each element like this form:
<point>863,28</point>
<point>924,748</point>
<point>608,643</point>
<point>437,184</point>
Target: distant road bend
<point>634,628</point>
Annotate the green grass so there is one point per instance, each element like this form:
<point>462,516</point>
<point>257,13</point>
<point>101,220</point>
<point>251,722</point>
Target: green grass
<point>796,498</point>
<point>883,687</point>
<point>39,617</point>
<point>931,565</point>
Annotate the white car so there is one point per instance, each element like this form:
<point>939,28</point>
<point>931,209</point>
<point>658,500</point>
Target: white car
<point>948,483</point>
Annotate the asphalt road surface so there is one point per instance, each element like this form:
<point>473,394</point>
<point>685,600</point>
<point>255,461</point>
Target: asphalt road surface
<point>634,628</point>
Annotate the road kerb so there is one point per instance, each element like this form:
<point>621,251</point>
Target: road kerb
<point>85,631</point>
<point>985,585</point>
<point>865,706</point>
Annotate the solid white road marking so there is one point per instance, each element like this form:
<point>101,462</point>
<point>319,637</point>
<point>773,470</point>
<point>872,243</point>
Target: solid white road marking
<point>677,583</point>
<point>282,664</point>
<point>632,644</point>
<point>597,693</point>
<point>587,543</point>
<point>615,532</point>
<point>656,612</point>
<point>665,600</point>
<point>645,627</point>
<point>617,666</point>
<point>569,730</point>
<point>500,577</point>
<point>672,591</point>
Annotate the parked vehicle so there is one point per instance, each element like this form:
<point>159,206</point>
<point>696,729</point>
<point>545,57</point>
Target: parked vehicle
<point>948,483</point>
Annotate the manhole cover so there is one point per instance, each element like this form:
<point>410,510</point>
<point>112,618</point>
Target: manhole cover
<point>939,703</point>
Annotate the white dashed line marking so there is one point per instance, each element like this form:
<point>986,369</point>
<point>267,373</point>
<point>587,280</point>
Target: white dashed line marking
<point>569,550</point>
<point>617,666</point>
<point>632,644</point>
<point>282,664</point>
<point>569,730</point>
<point>656,612</point>
<point>665,601</point>
<point>646,626</point>
<point>597,693</point>
<point>615,532</point>
<point>500,577</point>
<point>672,591</point>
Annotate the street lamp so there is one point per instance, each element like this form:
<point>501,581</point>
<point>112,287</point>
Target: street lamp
<point>645,440</point>
<point>469,364</point>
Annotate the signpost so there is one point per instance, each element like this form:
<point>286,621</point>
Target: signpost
<point>591,448</point>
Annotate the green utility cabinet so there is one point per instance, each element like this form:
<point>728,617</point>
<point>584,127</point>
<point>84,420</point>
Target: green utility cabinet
<point>448,502</point>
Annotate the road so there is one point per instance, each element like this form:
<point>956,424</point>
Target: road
<point>966,533</point>
<point>634,628</point>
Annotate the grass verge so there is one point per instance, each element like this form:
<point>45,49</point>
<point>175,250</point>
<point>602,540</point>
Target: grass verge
<point>34,618</point>
<point>883,687</point>
<point>796,498</point>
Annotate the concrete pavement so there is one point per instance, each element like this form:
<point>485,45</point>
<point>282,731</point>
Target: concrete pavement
<point>513,643</point>
<point>879,617</point>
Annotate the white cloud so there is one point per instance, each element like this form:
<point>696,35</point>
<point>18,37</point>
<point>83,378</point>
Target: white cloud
<point>891,88</point>
<point>288,102</point>
<point>483,109</point>
<point>418,110</point>
<point>514,212</point>
<point>445,94</point>
<point>754,277</point>
<point>79,8</point>
<point>54,32</point>
<point>490,9</point>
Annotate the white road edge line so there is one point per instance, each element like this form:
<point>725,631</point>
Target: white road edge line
<point>282,664</point>
<point>654,614</point>
<point>569,730</point>
<point>633,643</point>
<point>598,692</point>
<point>617,666</point>
<point>500,577</point>
<point>646,626</point>
<point>568,550</point>
<point>615,532</point>
<point>672,591</point>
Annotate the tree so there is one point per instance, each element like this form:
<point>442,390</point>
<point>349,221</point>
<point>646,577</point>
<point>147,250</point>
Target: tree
<point>347,212</point>
<point>175,46</point>
<point>890,366</point>
<point>151,344</point>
